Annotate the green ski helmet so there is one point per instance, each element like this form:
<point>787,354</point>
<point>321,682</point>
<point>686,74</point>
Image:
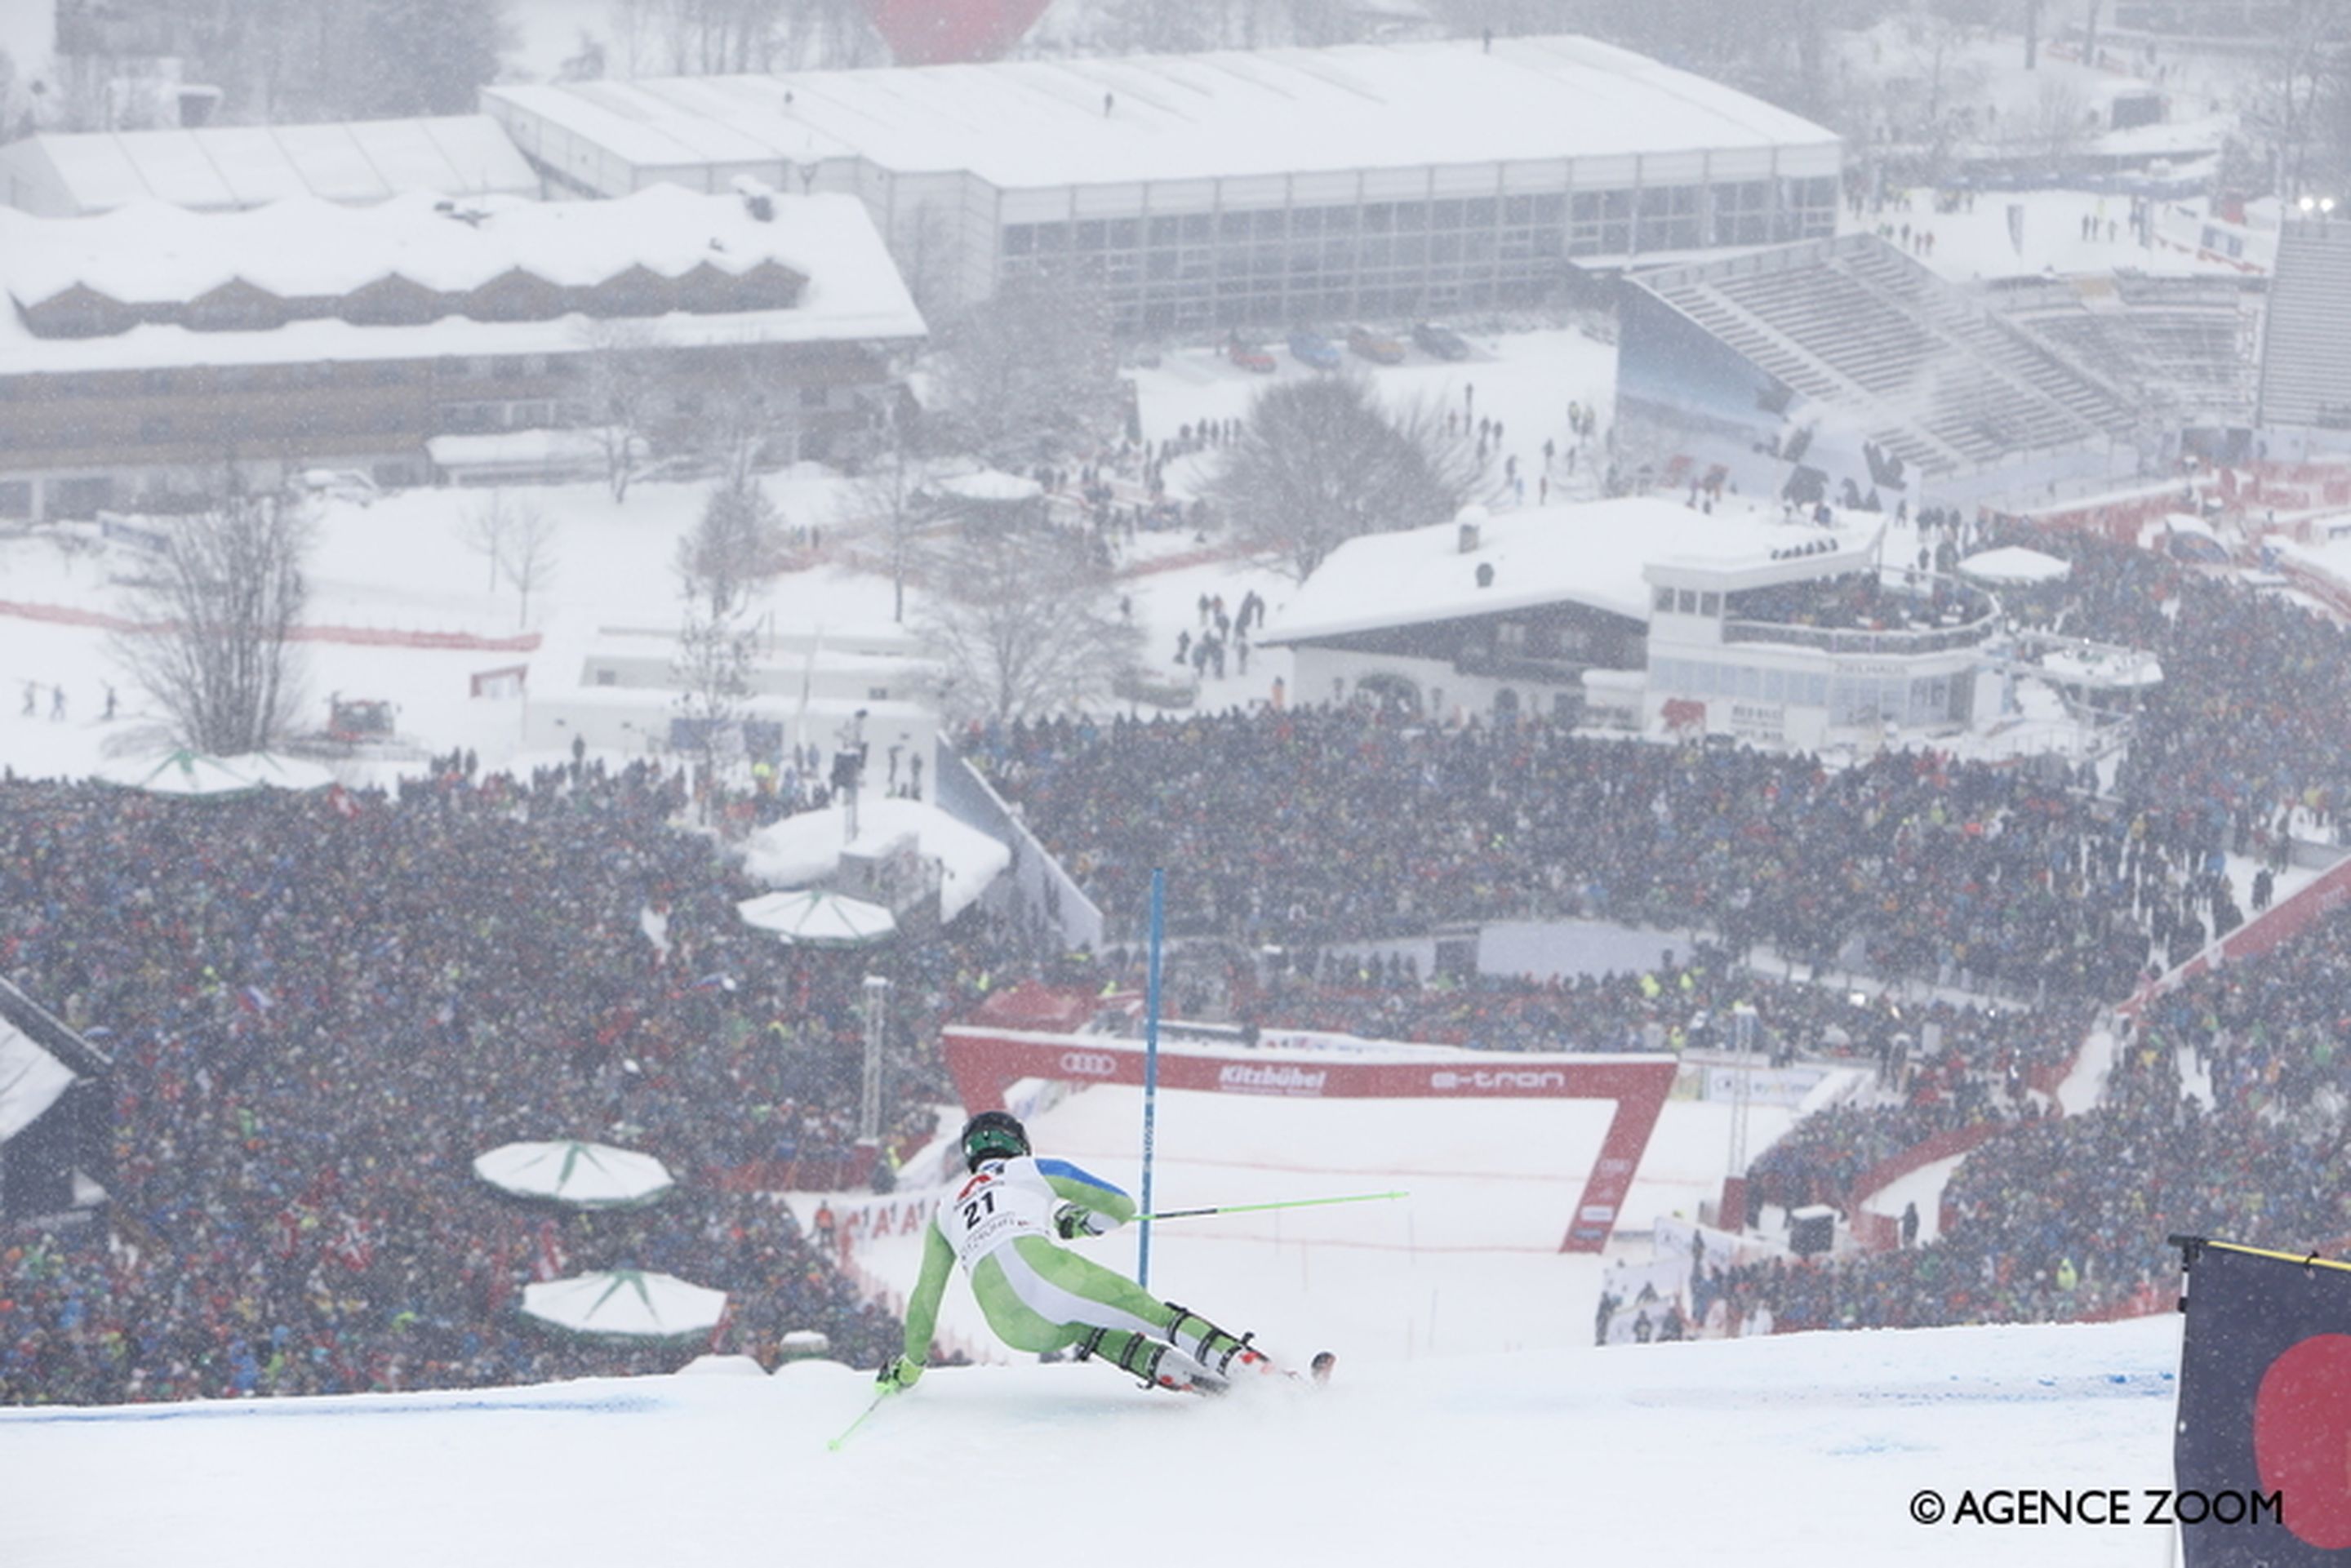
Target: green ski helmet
<point>993,1135</point>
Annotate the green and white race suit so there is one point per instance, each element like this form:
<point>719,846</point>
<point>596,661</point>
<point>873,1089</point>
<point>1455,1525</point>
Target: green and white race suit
<point>1038,1295</point>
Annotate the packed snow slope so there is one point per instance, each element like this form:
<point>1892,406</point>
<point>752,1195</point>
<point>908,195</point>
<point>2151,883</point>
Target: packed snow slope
<point>1468,1263</point>
<point>1806,1449</point>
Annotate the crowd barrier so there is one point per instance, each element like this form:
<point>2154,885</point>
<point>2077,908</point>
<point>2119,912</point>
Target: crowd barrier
<point>355,636</point>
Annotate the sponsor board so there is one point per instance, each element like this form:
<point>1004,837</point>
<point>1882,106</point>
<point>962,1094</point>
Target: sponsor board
<point>1253,1078</point>
<point>1445,1079</point>
<point>1764,723</point>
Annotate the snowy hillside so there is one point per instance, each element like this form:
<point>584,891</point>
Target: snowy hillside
<point>1802,1451</point>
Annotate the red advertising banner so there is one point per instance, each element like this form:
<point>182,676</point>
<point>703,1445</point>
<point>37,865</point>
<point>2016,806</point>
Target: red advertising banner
<point>984,1061</point>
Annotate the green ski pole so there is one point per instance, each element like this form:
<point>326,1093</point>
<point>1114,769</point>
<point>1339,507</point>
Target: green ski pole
<point>834,1445</point>
<point>1256,1208</point>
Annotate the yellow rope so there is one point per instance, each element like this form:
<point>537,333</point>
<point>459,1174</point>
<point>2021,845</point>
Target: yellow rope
<point>2309,1259</point>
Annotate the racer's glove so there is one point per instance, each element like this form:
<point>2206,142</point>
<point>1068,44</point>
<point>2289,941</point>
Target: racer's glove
<point>900,1374</point>
<point>1072,1221</point>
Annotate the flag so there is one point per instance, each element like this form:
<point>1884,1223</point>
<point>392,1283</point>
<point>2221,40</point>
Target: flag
<point>2266,1408</point>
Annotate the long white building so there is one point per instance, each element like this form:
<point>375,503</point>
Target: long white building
<point>229,168</point>
<point>1272,187</point>
<point>1641,614</point>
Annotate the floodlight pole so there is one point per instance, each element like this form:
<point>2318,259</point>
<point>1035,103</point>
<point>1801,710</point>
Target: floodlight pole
<point>1742,1083</point>
<point>877,1003</point>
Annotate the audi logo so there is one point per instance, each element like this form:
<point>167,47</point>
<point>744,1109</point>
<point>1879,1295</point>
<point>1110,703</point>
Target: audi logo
<point>1090,1064</point>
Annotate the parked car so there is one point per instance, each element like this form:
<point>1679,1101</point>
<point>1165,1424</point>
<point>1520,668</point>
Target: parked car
<point>1313,350</point>
<point>1442,341</point>
<point>1249,356</point>
<point>1376,347</point>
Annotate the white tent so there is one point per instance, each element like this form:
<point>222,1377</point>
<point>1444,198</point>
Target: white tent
<point>279,772</point>
<point>187,774</point>
<point>627,1304</point>
<point>806,848</point>
<point>2015,566</point>
<point>817,919</point>
<point>586,1175</point>
<point>992,486</point>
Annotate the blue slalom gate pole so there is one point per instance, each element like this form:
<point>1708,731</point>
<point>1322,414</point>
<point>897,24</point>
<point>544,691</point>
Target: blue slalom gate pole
<point>1151,1068</point>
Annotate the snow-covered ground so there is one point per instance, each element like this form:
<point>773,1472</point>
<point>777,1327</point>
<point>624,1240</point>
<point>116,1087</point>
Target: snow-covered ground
<point>403,564</point>
<point>1786,1453</point>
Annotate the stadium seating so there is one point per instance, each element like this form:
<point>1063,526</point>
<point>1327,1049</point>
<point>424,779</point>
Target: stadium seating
<point>1951,384</point>
<point>2309,338</point>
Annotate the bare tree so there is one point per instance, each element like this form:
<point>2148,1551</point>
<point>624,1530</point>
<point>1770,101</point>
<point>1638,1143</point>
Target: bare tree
<point>712,675</point>
<point>701,37</point>
<point>1035,363</point>
<point>742,403</point>
<point>216,624</point>
<point>627,379</point>
<point>888,493</point>
<point>925,249</point>
<point>15,119</point>
<point>483,527</point>
<point>1320,462</point>
<point>2302,61</point>
<point>738,542</point>
<point>2330,158</point>
<point>1159,27</point>
<point>1026,625</point>
<point>2060,126</point>
<point>527,553</point>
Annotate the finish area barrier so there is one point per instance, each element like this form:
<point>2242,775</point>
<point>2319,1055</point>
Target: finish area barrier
<point>987,1061</point>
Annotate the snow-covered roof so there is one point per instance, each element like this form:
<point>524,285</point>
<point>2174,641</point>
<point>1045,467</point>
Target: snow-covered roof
<point>1045,123</point>
<point>310,249</point>
<point>519,449</point>
<point>2110,669</point>
<point>2014,564</point>
<point>991,485</point>
<point>1593,554</point>
<point>807,847</point>
<point>150,253</point>
<point>249,166</point>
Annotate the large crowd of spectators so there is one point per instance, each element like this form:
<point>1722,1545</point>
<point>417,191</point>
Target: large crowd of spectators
<point>2249,732</point>
<point>2253,715</point>
<point>1692,1002</point>
<point>321,1007</point>
<point>1311,826</point>
<point>2222,1116</point>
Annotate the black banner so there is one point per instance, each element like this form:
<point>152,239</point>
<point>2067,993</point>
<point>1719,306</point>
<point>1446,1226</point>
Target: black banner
<point>2266,1410</point>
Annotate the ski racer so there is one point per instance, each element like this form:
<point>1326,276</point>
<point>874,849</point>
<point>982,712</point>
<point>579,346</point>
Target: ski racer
<point>1005,1225</point>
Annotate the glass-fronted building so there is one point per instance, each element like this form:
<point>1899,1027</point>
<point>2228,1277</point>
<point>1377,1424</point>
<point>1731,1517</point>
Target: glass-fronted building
<point>1268,188</point>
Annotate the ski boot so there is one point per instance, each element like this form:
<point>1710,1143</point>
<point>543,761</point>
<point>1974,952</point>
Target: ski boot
<point>1227,1357</point>
<point>1154,1365</point>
